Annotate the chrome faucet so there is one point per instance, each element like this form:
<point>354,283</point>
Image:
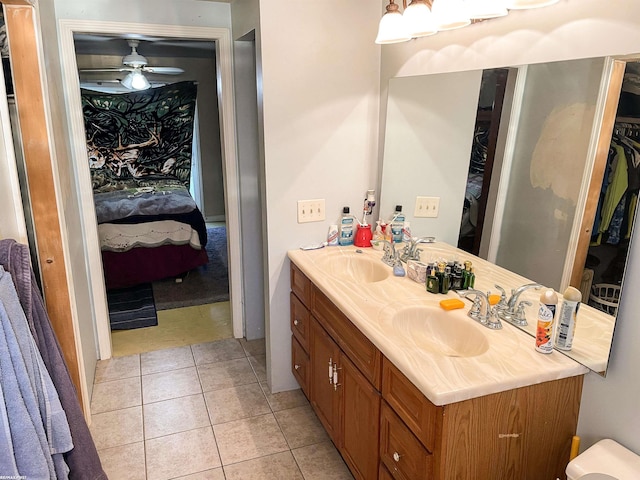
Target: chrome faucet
<point>511,310</point>
<point>391,256</point>
<point>411,251</point>
<point>481,310</point>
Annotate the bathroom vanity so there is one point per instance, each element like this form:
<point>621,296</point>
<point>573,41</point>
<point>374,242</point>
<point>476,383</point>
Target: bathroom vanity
<point>409,391</point>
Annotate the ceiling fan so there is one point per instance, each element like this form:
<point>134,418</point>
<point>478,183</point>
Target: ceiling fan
<point>136,65</point>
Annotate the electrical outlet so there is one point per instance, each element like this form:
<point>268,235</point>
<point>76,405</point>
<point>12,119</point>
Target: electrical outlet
<point>311,210</point>
<point>427,207</point>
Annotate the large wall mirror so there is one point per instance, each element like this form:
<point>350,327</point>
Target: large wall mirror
<point>556,201</point>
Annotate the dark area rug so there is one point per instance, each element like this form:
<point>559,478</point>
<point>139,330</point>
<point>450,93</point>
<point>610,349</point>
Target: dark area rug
<point>132,307</point>
<point>206,284</point>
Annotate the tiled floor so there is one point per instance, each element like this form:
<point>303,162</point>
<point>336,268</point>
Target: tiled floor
<point>204,412</point>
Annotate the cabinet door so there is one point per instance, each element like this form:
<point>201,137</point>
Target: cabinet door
<point>324,397</point>
<point>361,409</point>
<point>300,365</point>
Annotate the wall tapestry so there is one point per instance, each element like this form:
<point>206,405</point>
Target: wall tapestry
<point>137,139</point>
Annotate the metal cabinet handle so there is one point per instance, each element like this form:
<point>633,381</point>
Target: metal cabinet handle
<point>335,376</point>
<point>396,456</point>
<point>296,366</point>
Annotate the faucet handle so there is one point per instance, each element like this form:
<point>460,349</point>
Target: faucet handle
<point>503,297</point>
<point>520,317</point>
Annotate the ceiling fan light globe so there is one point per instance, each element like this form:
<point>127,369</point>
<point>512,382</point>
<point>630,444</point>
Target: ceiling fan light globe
<point>135,81</point>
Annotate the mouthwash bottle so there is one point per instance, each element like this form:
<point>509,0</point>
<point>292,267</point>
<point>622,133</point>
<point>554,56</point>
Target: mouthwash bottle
<point>346,228</point>
<point>397,223</point>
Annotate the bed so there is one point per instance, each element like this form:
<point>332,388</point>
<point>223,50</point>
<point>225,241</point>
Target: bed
<point>139,147</point>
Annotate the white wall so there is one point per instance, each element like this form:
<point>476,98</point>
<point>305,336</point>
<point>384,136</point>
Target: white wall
<point>570,29</point>
<point>321,94</point>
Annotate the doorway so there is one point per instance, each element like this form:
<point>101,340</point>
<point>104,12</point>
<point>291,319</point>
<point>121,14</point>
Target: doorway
<point>602,273</point>
<point>227,128</point>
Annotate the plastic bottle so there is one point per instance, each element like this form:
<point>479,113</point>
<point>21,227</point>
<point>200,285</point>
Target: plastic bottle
<point>397,222</point>
<point>566,323</point>
<point>406,232</point>
<point>332,236</point>
<point>346,228</point>
<point>546,314</point>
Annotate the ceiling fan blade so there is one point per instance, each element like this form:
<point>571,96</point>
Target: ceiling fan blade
<point>101,70</point>
<point>163,70</point>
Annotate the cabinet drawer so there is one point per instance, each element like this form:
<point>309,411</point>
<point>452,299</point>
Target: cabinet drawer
<point>300,285</point>
<point>300,365</point>
<point>300,321</point>
<point>420,415</point>
<point>400,450</point>
<point>364,354</point>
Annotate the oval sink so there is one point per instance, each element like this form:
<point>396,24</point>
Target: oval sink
<point>440,332</point>
<point>355,268</point>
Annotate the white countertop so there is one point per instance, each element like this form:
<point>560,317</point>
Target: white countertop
<point>510,361</point>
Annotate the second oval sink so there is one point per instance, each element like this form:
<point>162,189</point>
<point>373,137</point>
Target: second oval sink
<point>440,332</point>
<point>354,267</point>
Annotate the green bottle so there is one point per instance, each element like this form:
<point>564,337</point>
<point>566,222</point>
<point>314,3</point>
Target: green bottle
<point>433,282</point>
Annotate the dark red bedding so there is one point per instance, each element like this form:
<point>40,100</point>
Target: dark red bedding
<point>141,265</point>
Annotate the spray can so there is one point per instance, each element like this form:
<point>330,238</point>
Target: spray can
<point>546,314</point>
<point>566,324</point>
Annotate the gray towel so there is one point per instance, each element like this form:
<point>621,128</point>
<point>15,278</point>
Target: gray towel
<point>83,460</point>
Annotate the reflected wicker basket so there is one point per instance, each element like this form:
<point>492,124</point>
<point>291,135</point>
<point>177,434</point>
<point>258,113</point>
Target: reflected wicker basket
<point>605,297</point>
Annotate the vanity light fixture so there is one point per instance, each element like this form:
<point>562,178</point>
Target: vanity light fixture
<point>450,14</point>
<point>427,17</point>
<point>135,81</point>
<point>524,4</point>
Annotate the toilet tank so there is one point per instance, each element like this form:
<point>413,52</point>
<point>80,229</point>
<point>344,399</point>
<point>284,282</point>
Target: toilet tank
<point>606,459</point>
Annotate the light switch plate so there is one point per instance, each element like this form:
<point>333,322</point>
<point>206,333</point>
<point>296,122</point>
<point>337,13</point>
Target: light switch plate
<point>311,210</point>
<point>427,207</point>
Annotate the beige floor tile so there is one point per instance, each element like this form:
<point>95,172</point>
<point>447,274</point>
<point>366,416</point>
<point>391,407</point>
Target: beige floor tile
<point>259,365</point>
<point>249,438</point>
<point>173,384</point>
<point>215,376</point>
<point>176,328</point>
<point>120,427</point>
<point>175,415</point>
<point>284,400</point>
<point>117,367</point>
<point>165,360</point>
<point>218,351</point>
<point>181,454</point>
<point>125,462</point>
<point>254,347</point>
<point>301,427</point>
<point>321,462</point>
<point>280,466</point>
<point>116,394</point>
<point>214,474</point>
<point>235,403</point>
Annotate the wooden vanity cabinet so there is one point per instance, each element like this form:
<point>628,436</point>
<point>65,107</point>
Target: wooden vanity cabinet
<point>348,408</point>
<point>385,428</point>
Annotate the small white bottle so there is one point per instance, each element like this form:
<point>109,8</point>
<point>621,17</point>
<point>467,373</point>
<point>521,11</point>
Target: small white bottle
<point>566,323</point>
<point>345,236</point>
<point>406,232</point>
<point>546,314</point>
<point>332,236</point>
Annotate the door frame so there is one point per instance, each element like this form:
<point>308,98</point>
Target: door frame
<point>226,100</point>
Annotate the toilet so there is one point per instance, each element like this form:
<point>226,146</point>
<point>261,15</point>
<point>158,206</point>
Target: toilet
<point>605,460</point>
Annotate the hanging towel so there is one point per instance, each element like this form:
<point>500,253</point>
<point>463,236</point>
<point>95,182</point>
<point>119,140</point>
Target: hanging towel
<point>83,460</point>
<point>28,439</point>
<point>50,412</point>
